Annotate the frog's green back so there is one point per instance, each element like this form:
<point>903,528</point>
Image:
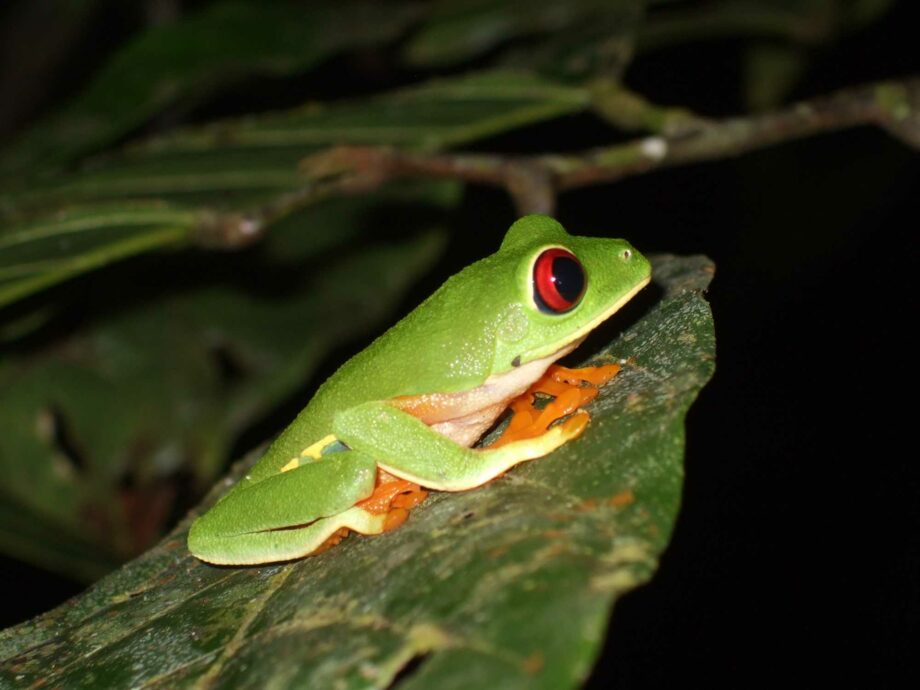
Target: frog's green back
<point>454,336</point>
<point>471,327</point>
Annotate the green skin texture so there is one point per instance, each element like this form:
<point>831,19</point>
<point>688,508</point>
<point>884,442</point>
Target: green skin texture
<point>481,322</point>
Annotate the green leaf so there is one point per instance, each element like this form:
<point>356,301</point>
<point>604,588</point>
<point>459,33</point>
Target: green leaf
<point>258,155</point>
<point>465,29</point>
<point>102,425</point>
<point>171,190</point>
<point>187,61</point>
<point>598,46</point>
<point>770,74</point>
<point>36,254</point>
<point>509,585</point>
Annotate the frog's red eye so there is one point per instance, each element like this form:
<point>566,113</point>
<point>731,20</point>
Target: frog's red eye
<point>559,281</point>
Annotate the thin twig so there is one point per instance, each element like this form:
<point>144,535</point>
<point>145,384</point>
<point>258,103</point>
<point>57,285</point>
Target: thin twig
<point>894,106</point>
<point>534,181</point>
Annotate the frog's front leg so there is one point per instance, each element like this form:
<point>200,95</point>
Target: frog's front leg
<point>289,514</point>
<point>406,447</point>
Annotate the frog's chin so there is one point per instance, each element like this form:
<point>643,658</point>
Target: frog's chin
<point>562,348</point>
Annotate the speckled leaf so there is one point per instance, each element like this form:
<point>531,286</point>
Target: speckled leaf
<point>507,586</point>
<point>100,426</point>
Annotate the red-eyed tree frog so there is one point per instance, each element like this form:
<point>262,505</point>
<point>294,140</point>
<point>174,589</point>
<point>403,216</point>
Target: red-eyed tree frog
<point>405,412</point>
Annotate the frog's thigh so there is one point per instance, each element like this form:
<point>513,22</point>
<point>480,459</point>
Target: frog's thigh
<point>259,522</point>
<point>408,448</point>
<point>287,544</point>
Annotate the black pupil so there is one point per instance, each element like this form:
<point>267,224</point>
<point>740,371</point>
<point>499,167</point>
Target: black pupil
<point>568,277</point>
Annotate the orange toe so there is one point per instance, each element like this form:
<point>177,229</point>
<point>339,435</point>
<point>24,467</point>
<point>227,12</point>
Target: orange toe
<point>395,518</point>
<point>571,390</point>
<point>393,497</point>
<point>596,376</point>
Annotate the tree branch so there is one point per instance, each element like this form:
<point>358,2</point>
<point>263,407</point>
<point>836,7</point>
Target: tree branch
<point>534,181</point>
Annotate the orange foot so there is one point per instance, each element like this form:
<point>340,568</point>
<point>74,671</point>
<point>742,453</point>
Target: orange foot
<point>571,388</point>
<point>393,496</point>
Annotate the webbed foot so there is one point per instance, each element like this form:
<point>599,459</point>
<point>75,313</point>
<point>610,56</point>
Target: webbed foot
<point>570,388</point>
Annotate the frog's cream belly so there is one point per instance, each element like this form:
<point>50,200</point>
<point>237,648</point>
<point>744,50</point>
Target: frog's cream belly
<point>465,416</point>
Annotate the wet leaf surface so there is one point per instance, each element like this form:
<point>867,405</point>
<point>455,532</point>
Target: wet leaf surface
<point>506,586</point>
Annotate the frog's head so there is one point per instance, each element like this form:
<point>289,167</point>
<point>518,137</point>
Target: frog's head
<point>564,286</point>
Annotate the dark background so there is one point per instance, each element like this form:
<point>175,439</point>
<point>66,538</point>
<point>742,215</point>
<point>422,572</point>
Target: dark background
<point>796,547</point>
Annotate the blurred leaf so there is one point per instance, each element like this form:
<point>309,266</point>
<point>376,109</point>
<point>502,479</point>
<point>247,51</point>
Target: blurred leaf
<point>860,13</point>
<point>799,22</point>
<point>175,188</point>
<point>601,45</point>
<point>772,69</point>
<point>770,73</point>
<point>36,254</point>
<point>103,424</point>
<point>459,30</point>
<point>506,586</point>
<point>430,116</point>
<point>196,57</point>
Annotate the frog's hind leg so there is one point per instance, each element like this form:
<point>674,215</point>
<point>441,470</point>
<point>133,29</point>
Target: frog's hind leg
<point>406,447</point>
<point>290,514</point>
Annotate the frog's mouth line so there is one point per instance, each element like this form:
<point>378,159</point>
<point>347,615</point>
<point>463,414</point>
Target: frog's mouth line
<point>582,332</point>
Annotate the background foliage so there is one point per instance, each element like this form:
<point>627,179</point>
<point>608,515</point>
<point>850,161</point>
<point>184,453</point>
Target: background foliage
<point>167,250</point>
